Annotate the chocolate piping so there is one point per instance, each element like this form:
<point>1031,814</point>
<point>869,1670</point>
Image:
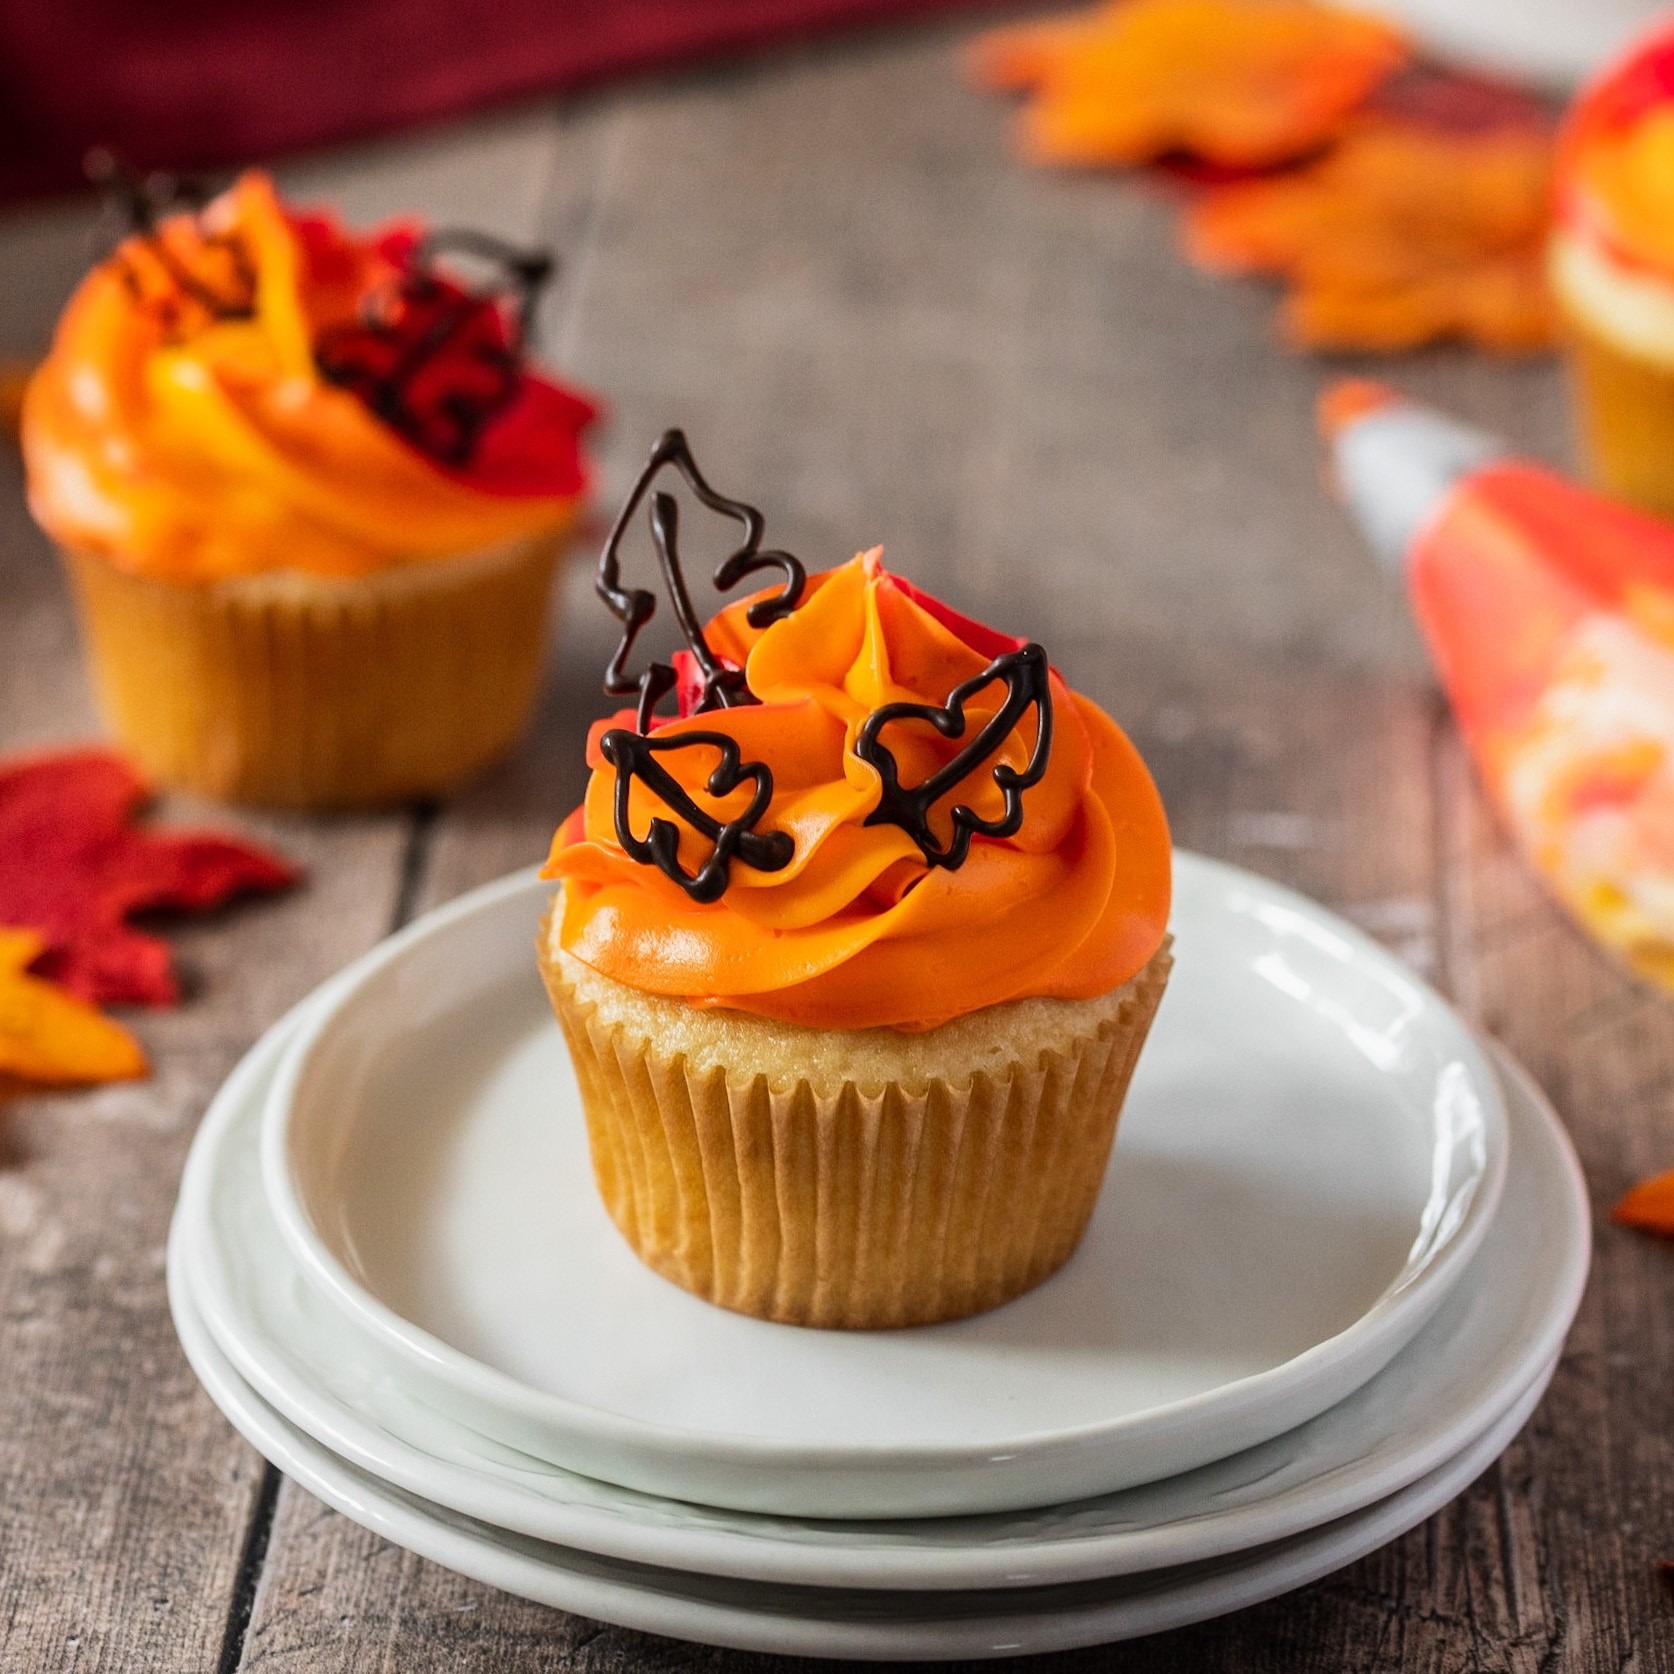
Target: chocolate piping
<point>140,200</point>
<point>633,607</point>
<point>373,360</point>
<point>1024,672</point>
<point>633,755</point>
<point>1028,684</point>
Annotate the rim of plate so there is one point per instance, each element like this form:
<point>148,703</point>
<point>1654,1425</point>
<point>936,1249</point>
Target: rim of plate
<point>756,1554</point>
<point>1408,1299</point>
<point>673,1603</point>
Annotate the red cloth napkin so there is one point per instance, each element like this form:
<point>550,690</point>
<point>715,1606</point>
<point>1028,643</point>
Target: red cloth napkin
<point>204,83</point>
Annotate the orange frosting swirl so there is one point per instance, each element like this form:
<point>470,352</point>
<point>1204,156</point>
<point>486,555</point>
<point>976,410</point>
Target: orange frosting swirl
<point>190,442</point>
<point>1616,161</point>
<point>858,931</point>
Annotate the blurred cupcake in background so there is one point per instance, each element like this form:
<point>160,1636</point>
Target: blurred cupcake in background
<point>1612,267</point>
<point>310,496</point>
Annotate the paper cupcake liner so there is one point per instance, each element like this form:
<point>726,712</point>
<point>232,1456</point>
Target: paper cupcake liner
<point>1625,415</point>
<point>860,1209</point>
<point>297,692</point>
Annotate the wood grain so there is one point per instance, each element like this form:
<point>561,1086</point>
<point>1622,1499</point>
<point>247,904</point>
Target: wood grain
<point>825,267</point>
<point>1587,1494</point>
<point>124,1500</point>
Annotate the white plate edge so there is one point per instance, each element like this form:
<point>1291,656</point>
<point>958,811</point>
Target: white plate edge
<point>1385,1328</point>
<point>1310,1557</point>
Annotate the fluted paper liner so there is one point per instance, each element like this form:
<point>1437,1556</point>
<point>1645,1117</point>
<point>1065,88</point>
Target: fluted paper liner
<point>862,1208</point>
<point>1625,412</point>
<point>292,691</point>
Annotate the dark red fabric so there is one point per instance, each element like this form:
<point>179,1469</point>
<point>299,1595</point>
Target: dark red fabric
<point>195,84</point>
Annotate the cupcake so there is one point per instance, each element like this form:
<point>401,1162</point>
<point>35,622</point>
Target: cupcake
<point>857,938</point>
<point>309,496</point>
<point>1612,268</point>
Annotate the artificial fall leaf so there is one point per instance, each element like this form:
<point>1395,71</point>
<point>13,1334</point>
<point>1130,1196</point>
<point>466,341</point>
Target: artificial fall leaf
<point>1649,1206</point>
<point>73,867</point>
<point>49,1036</point>
<point>1401,235</point>
<point>1240,83</point>
<point>1020,57</point>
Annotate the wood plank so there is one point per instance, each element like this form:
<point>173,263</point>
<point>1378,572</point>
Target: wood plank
<point>873,326</point>
<point>494,173</point>
<point>1588,1493</point>
<point>129,1500</point>
<point>126,1496</point>
<point>877,328</point>
<point>529,178</point>
<point>43,252</point>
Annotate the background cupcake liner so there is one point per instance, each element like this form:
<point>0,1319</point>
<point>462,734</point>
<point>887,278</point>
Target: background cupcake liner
<point>863,1208</point>
<point>1624,408</point>
<point>288,690</point>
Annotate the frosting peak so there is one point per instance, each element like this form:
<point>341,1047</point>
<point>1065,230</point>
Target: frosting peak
<point>861,927</point>
<point>1616,175</point>
<point>188,425</point>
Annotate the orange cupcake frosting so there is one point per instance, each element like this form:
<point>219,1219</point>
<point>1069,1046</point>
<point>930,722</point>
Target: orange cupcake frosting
<point>1616,160</point>
<point>858,930</point>
<point>181,426</point>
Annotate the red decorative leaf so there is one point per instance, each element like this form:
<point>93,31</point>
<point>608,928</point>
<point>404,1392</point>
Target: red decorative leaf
<point>73,868</point>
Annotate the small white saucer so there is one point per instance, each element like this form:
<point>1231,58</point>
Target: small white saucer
<point>1492,1338</point>
<point>827,1622</point>
<point>1311,1152</point>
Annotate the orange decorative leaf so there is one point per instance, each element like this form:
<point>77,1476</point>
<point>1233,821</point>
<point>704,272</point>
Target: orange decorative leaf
<point>1242,83</point>
<point>1022,56</point>
<point>1649,1206</point>
<point>1401,235</point>
<point>49,1036</point>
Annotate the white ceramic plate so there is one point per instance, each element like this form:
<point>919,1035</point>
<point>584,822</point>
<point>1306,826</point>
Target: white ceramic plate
<point>1557,42</point>
<point>831,1622</point>
<point>1312,1150</point>
<point>1498,1330</point>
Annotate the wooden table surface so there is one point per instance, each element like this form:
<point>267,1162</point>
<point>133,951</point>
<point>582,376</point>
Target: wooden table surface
<point>825,265</point>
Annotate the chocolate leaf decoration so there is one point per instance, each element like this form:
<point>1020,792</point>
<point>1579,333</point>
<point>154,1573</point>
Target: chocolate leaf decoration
<point>633,755</point>
<point>436,359</point>
<point>723,687</point>
<point>1028,685</point>
<point>133,206</point>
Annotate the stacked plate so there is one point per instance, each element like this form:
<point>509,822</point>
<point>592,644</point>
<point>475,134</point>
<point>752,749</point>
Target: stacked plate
<point>1328,1280</point>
